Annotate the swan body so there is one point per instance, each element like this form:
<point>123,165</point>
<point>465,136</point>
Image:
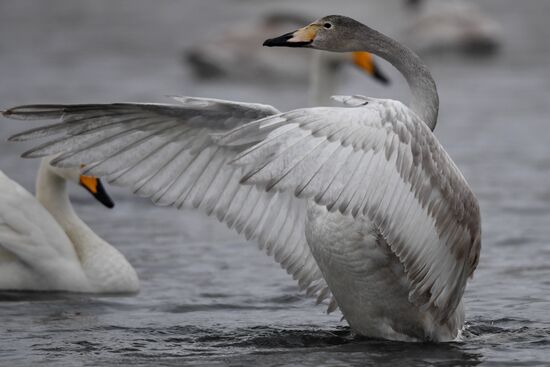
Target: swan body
<point>45,246</point>
<point>371,286</point>
<point>360,203</point>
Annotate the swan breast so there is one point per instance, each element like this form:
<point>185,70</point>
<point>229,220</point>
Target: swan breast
<point>368,281</point>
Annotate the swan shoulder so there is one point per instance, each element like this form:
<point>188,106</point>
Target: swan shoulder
<point>379,160</point>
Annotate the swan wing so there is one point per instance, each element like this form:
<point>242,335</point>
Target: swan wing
<point>169,153</point>
<point>376,159</point>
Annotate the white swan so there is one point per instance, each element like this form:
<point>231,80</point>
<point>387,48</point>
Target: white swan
<point>45,246</point>
<point>360,204</point>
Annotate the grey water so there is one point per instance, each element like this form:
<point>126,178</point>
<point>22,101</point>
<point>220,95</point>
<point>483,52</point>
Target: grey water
<point>207,296</point>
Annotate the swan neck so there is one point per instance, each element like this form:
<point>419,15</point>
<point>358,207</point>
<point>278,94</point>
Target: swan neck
<point>51,192</point>
<point>425,100</point>
<point>106,269</point>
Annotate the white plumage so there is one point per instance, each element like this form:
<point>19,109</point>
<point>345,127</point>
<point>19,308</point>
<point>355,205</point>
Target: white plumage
<point>44,246</point>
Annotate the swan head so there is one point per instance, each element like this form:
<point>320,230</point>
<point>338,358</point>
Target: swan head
<point>335,33</point>
<point>92,184</point>
<point>332,33</point>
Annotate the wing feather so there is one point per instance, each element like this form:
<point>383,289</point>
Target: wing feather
<point>169,153</point>
<point>376,159</point>
<point>379,160</point>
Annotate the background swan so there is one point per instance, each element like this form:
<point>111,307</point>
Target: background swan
<point>45,246</point>
<point>361,205</point>
<point>451,25</point>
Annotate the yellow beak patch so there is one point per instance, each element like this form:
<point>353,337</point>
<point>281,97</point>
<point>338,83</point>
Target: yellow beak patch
<point>305,34</point>
<point>90,183</point>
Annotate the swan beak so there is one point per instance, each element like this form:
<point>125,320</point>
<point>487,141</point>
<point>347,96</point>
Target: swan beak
<point>303,37</point>
<point>95,187</point>
<point>365,61</point>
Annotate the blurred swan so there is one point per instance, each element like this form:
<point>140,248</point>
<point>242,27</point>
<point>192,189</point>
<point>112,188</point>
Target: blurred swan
<point>360,204</point>
<point>233,55</point>
<point>451,25</point>
<point>45,246</point>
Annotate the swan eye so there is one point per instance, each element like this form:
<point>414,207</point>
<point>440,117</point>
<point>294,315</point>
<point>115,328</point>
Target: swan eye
<point>327,25</point>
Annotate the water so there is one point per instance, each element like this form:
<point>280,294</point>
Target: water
<point>207,296</point>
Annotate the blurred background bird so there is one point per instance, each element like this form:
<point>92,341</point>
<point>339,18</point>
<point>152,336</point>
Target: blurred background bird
<point>460,26</point>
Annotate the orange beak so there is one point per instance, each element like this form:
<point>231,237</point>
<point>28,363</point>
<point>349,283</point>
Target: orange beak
<point>365,61</point>
<point>95,187</point>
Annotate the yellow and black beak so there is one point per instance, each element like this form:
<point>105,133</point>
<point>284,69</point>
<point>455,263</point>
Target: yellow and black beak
<point>95,187</point>
<point>302,37</point>
<point>365,61</point>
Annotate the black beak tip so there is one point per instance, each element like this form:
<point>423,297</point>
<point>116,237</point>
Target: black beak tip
<point>272,42</point>
<point>382,78</point>
<point>102,196</point>
<point>280,41</point>
<point>109,204</point>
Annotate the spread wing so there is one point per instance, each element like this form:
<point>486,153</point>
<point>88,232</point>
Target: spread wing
<point>381,161</point>
<point>167,153</point>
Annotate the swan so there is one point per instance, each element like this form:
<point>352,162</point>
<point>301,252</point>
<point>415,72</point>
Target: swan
<point>45,246</point>
<point>360,203</point>
<point>230,54</point>
<point>442,26</point>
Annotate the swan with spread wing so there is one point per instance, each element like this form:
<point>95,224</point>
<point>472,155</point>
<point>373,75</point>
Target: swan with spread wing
<point>360,204</point>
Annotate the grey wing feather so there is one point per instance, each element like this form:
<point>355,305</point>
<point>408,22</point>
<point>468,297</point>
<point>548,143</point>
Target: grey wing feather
<point>381,161</point>
<point>169,153</point>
